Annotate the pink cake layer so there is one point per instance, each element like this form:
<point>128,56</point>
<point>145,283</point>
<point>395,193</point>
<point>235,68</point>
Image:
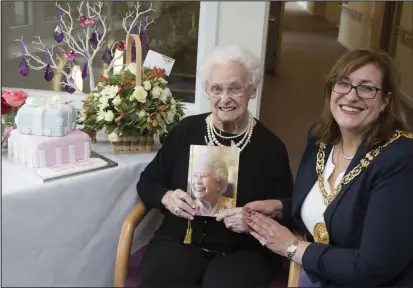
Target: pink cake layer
<point>33,144</point>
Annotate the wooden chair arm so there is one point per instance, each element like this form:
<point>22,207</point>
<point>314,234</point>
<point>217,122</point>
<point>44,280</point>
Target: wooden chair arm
<point>125,242</point>
<point>295,269</point>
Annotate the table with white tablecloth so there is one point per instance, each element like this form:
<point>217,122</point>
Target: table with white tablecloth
<point>65,232</point>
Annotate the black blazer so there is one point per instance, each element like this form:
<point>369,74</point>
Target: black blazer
<point>369,222</point>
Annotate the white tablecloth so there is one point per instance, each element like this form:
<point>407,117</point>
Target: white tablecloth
<point>65,232</point>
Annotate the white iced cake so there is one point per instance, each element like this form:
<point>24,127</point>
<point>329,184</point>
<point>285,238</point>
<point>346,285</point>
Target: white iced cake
<point>41,151</point>
<point>51,117</point>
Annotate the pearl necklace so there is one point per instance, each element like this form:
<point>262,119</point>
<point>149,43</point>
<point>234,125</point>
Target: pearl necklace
<point>213,211</point>
<point>211,140</point>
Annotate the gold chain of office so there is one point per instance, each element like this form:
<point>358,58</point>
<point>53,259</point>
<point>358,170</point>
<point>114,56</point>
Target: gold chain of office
<point>320,229</point>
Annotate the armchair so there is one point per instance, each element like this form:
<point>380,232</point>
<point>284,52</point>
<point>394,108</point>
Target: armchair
<point>125,243</point>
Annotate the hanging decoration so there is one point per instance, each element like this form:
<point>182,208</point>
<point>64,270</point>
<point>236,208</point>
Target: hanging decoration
<point>84,70</point>
<point>88,46</point>
<point>70,55</point>
<point>93,40</point>
<point>107,54</point>
<point>48,73</point>
<point>23,67</point>
<point>121,45</point>
<point>58,34</point>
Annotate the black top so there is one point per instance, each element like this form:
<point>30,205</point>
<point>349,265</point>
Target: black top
<point>369,222</point>
<point>264,173</point>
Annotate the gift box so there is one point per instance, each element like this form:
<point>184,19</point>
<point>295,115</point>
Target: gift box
<point>50,117</point>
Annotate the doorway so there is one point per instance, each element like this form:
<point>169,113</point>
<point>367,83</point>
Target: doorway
<point>391,19</point>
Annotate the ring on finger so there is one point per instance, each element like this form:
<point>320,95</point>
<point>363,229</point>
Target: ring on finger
<point>263,242</point>
<point>177,209</point>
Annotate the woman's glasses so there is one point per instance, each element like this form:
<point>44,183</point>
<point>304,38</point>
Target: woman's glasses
<point>216,91</point>
<point>363,90</point>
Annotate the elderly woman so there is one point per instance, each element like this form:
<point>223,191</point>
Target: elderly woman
<point>220,253</point>
<point>209,183</point>
<point>353,194</point>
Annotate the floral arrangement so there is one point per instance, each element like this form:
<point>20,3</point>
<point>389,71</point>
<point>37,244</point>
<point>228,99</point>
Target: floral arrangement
<point>11,101</point>
<point>126,110</point>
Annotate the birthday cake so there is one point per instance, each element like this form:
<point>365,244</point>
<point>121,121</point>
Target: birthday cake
<point>45,135</point>
<point>42,151</point>
<point>51,117</point>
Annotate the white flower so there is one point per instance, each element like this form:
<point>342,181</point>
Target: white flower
<point>59,122</point>
<point>156,92</point>
<point>110,91</point>
<point>109,116</point>
<point>101,115</point>
<point>47,132</point>
<point>113,137</point>
<point>173,101</point>
<point>170,116</point>
<point>166,93</point>
<point>140,94</point>
<point>132,68</point>
<point>147,85</point>
<point>96,94</point>
<point>162,81</point>
<point>141,114</point>
<point>117,101</point>
<point>104,102</point>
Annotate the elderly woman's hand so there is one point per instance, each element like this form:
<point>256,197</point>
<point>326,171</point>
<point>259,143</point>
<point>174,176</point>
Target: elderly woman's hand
<point>179,203</point>
<point>271,208</point>
<point>269,232</point>
<point>234,219</point>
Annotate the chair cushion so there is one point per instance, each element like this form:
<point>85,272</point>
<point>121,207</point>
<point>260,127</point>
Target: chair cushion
<point>132,278</point>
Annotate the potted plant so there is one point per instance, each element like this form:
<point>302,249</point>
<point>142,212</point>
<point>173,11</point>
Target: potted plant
<point>132,107</point>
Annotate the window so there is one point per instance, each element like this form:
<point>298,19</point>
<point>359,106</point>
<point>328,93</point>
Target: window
<point>173,33</point>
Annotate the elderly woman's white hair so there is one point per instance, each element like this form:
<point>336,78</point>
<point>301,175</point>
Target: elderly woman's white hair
<point>235,54</point>
<point>218,166</point>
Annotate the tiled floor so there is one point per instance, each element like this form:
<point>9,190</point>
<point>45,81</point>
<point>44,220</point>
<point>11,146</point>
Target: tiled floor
<point>292,101</point>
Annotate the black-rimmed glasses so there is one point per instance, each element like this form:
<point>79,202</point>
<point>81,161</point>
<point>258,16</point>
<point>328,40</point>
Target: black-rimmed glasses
<point>362,90</point>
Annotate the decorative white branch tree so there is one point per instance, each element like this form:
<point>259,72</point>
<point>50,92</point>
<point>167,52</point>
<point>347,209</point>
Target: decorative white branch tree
<point>87,45</point>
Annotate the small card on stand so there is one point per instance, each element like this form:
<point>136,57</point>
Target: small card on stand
<point>155,59</point>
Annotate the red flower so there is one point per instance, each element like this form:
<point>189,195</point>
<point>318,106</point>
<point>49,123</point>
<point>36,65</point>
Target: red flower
<point>121,45</point>
<point>5,108</point>
<point>15,98</point>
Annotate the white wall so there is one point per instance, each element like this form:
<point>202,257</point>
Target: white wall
<point>242,23</point>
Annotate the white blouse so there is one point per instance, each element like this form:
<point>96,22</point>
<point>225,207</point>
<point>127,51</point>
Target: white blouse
<point>313,207</point>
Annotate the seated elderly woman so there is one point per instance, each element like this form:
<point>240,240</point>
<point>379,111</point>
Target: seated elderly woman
<point>353,193</point>
<point>221,252</point>
<point>209,183</point>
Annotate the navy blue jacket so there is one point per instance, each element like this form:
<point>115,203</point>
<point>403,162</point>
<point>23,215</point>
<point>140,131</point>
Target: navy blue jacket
<point>369,222</point>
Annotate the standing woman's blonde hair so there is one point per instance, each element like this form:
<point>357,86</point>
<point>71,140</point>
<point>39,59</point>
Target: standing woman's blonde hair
<point>327,130</point>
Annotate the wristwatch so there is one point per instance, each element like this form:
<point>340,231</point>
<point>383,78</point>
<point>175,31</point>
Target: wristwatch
<point>291,249</point>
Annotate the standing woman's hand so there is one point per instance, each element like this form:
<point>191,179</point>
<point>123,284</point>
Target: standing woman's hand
<point>179,203</point>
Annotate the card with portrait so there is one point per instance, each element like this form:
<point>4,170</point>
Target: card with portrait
<point>213,178</point>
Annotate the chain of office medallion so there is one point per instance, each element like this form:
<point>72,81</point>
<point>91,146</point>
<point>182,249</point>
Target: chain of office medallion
<point>364,162</point>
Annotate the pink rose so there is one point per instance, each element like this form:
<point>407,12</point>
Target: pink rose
<point>15,98</point>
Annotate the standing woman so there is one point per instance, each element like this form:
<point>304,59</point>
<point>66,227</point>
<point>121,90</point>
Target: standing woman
<point>353,194</point>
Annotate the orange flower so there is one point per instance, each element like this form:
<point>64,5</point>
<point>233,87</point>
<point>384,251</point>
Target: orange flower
<point>158,72</point>
<point>128,80</point>
<point>102,78</point>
